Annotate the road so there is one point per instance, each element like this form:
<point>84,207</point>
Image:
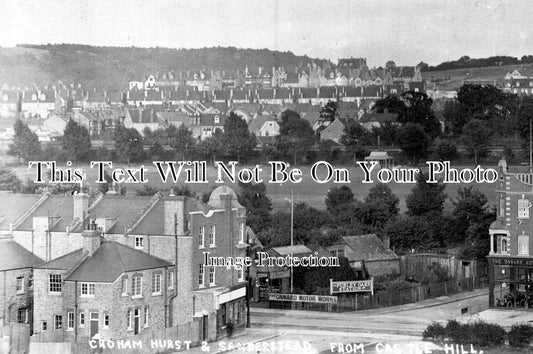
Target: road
<point>392,330</point>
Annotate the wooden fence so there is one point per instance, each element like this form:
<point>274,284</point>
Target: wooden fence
<point>364,301</point>
<point>416,265</point>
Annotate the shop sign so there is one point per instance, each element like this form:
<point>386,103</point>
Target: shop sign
<point>351,286</point>
<point>303,298</point>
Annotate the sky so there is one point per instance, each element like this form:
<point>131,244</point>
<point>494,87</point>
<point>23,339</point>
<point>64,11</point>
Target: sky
<point>405,31</point>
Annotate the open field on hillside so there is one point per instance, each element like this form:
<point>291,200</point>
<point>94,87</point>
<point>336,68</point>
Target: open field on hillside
<point>308,191</point>
<point>453,79</point>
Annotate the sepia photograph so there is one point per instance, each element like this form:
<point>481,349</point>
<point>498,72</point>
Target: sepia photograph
<point>266,176</point>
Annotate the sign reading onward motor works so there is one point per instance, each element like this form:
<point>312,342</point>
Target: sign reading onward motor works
<point>303,298</point>
<point>351,286</point>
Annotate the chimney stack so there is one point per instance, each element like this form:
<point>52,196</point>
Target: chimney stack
<point>92,239</point>
<point>81,205</point>
<point>174,214</point>
<point>386,242</point>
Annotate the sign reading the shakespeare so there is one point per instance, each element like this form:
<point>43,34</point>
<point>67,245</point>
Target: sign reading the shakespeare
<point>351,286</point>
<point>303,298</point>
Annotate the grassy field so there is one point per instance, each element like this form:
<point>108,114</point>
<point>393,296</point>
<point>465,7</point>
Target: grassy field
<point>308,191</point>
<point>453,79</point>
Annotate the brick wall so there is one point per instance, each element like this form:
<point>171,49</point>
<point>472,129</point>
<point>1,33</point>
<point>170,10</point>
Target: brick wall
<point>10,299</point>
<point>46,305</point>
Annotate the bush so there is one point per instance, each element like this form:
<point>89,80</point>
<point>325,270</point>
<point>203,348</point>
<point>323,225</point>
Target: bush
<point>456,332</point>
<point>435,332</point>
<point>520,335</point>
<point>485,334</point>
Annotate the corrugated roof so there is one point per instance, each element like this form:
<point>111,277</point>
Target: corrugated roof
<point>111,260</point>
<point>296,249</point>
<point>14,256</point>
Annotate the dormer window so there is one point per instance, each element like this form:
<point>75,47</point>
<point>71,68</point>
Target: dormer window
<point>217,119</point>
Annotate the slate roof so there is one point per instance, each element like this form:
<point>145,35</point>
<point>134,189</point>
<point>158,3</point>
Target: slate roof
<point>221,94</point>
<point>296,250</point>
<point>13,206</point>
<point>265,94</point>
<point>257,123</point>
<point>59,208</point>
<point>65,262</point>
<point>111,260</point>
<point>282,93</point>
<point>368,248</point>
<point>14,256</point>
<point>125,209</point>
<point>152,221</point>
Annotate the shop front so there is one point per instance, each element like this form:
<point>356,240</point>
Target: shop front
<point>510,282</point>
<point>231,312</point>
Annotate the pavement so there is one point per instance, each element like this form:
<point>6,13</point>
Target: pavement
<point>398,323</point>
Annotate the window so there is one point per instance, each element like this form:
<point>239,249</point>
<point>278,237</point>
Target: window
<point>241,232</point>
<point>70,320</point>
<point>523,244</point>
<point>22,315</point>
<point>30,281</point>
<point>20,285</point>
<point>44,326</point>
<point>129,319</point>
<point>156,283</point>
<point>82,319</point>
<point>201,237</point>
<point>58,321</point>
<point>139,240</point>
<point>523,208</point>
<point>504,245</point>
<point>106,320</point>
<point>502,207</point>
<point>240,273</point>
<point>171,279</point>
<point>201,275</point>
<point>145,316</point>
<point>136,286</point>
<point>87,289</point>
<point>124,285</point>
<point>212,236</point>
<point>211,275</point>
<point>54,283</point>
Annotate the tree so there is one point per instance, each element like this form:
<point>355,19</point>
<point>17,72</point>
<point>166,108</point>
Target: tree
<point>354,137</point>
<point>470,222</point>
<point>295,135</point>
<point>212,146</point>
<point>381,194</point>
<point>407,233</point>
<point>76,141</point>
<point>328,112</point>
<point>26,144</point>
<point>237,139</point>
<point>418,109</point>
<point>9,181</point>
<point>338,197</point>
<point>446,150</point>
<point>180,140</point>
<point>413,141</point>
<point>258,205</point>
<point>476,137</point>
<point>525,119</point>
<point>128,144</point>
<point>425,197</point>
